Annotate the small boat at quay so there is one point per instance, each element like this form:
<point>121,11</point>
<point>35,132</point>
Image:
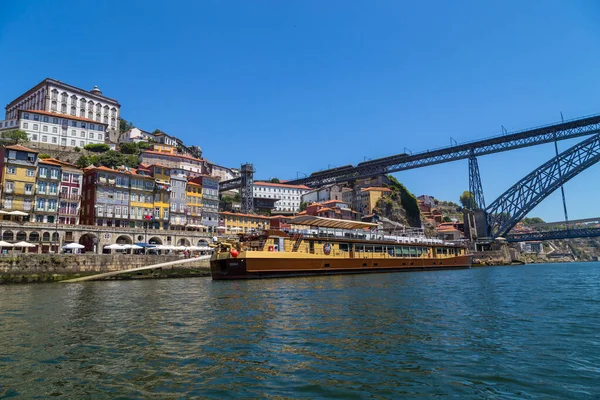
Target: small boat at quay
<point>325,246</point>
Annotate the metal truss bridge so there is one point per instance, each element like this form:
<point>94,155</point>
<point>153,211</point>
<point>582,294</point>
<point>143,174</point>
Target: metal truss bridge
<point>503,214</point>
<point>552,235</point>
<point>400,162</point>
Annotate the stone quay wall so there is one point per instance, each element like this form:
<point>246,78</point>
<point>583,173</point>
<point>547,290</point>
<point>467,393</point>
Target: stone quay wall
<point>29,268</point>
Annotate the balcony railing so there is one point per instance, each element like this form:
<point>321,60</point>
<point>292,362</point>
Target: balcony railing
<point>67,211</point>
<point>72,197</point>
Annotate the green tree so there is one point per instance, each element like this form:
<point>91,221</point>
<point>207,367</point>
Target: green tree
<point>97,147</point>
<point>76,149</point>
<point>143,145</point>
<point>111,159</point>
<point>532,220</point>
<point>82,162</point>
<point>447,219</point>
<point>124,126</point>
<point>131,161</point>
<point>129,148</point>
<point>16,136</point>
<point>467,199</point>
<point>303,206</point>
<point>274,180</point>
<point>43,156</point>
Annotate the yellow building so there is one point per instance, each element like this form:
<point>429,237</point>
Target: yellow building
<point>141,197</point>
<point>163,148</point>
<point>370,196</point>
<point>162,194</point>
<point>194,205</point>
<point>241,223</point>
<point>19,167</point>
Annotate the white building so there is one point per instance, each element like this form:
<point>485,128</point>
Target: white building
<point>58,97</point>
<point>135,135</point>
<point>325,193</point>
<point>46,129</point>
<point>192,166</point>
<point>289,195</point>
<point>222,173</point>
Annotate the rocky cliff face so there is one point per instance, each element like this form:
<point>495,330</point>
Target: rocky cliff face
<point>399,206</point>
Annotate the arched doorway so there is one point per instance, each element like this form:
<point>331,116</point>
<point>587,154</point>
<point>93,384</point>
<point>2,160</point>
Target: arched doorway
<point>8,235</point>
<point>21,236</point>
<point>155,240</point>
<point>90,241</point>
<point>183,242</point>
<point>46,237</point>
<point>202,243</point>
<point>124,239</point>
<point>34,237</point>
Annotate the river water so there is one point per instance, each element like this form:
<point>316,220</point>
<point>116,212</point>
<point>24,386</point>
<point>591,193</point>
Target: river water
<point>527,332</point>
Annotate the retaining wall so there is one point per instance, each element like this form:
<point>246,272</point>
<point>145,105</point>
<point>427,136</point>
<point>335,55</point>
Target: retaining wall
<point>25,268</point>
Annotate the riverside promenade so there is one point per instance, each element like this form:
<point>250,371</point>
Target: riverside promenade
<point>51,237</point>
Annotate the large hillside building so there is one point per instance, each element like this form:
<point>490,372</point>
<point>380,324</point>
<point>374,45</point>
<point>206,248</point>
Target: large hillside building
<point>57,97</point>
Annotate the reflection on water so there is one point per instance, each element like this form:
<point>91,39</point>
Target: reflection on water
<point>511,332</point>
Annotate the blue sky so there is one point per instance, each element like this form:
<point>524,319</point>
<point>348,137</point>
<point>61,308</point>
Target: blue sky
<point>300,86</point>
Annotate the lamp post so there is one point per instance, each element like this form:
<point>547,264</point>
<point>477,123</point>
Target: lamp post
<point>56,229</point>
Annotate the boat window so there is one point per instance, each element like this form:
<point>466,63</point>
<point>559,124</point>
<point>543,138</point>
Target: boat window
<point>344,247</point>
<point>368,248</point>
<point>413,251</point>
<point>390,251</point>
<point>398,251</point>
<point>359,247</point>
<point>378,249</point>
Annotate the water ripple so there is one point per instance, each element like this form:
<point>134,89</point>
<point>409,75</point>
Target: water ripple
<point>496,333</point>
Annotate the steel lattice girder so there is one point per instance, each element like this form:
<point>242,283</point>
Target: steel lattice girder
<point>522,197</point>
<point>235,183</point>
<point>531,137</point>
<point>552,235</point>
<point>475,185</point>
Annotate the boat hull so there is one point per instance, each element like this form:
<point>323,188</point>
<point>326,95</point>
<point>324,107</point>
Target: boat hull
<point>271,267</point>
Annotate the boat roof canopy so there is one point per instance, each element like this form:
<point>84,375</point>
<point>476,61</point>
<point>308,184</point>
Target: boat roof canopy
<point>321,222</point>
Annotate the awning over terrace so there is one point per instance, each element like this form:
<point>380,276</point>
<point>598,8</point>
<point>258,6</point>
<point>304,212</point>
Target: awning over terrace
<point>309,220</point>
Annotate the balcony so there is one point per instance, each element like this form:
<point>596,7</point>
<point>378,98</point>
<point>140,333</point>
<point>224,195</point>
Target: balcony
<point>72,197</point>
<point>67,211</point>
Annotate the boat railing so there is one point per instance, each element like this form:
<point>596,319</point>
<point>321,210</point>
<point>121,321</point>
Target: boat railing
<point>348,234</point>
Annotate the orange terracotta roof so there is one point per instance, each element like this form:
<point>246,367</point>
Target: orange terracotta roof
<point>280,216</point>
<point>302,213</point>
<point>333,201</point>
<point>48,161</point>
<point>375,188</point>
<point>194,184</point>
<point>63,163</point>
<point>324,209</point>
<point>283,185</point>
<point>20,148</point>
<point>54,114</point>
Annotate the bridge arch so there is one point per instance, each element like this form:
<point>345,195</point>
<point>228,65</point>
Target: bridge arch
<point>508,209</point>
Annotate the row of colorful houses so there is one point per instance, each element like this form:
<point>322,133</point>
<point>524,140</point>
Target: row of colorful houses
<point>150,196</point>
